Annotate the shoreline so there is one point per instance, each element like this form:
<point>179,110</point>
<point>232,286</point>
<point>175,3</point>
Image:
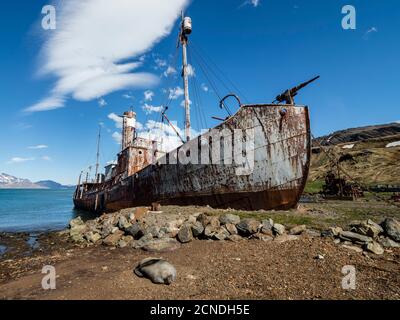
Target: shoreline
<point>310,267</point>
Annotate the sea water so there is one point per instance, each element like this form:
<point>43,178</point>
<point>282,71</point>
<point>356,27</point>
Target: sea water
<point>36,210</point>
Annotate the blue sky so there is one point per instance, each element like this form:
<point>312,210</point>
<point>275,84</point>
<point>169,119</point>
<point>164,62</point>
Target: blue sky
<point>263,49</point>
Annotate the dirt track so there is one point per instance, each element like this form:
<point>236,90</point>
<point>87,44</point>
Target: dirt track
<point>208,270</point>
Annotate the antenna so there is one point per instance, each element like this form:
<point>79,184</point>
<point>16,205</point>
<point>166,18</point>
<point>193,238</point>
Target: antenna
<point>186,29</point>
<point>98,154</point>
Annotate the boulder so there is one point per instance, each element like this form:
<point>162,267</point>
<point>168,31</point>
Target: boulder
<point>76,233</point>
<point>92,237</point>
<point>279,229</point>
<point>267,226</point>
<point>123,223</point>
<point>197,229</point>
<point>354,237</point>
<point>285,238</point>
<point>132,217</point>
<point>204,219</point>
<point>92,225</point>
<point>229,219</point>
<point>210,231</point>
<point>231,228</point>
<point>76,222</point>
<point>129,240</point>
<point>388,243</point>
<point>353,248</point>
<point>374,247</point>
<point>169,230</point>
<point>192,219</point>
<point>77,229</point>
<point>297,230</point>
<point>247,227</point>
<point>262,237</point>
<point>143,241</point>
<point>392,228</point>
<point>185,234</point>
<point>113,239</point>
<point>367,228</point>
<point>234,238</point>
<point>221,234</point>
<point>136,231</point>
<point>331,232</point>
<point>161,245</point>
<point>153,230</point>
<point>212,227</point>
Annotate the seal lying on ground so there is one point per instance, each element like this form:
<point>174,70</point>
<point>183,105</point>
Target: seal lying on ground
<point>157,270</point>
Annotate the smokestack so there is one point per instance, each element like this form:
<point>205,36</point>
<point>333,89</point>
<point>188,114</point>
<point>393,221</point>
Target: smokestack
<point>128,129</point>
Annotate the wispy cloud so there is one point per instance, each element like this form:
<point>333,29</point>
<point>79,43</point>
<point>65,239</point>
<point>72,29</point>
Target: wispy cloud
<point>175,93</point>
<point>148,95</point>
<point>253,3</point>
<point>117,136</point>
<point>149,109</point>
<point>170,71</point>
<point>369,32</point>
<point>46,158</point>
<point>117,120</point>
<point>92,37</point>
<point>204,87</point>
<point>38,147</point>
<point>102,102</point>
<point>19,160</point>
<point>128,96</point>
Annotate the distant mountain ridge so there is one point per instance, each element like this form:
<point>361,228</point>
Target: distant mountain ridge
<point>359,134</point>
<point>10,182</point>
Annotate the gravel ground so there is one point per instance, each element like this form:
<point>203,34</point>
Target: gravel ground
<point>206,270</point>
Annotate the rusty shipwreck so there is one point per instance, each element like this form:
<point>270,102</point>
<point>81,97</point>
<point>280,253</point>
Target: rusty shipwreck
<point>276,135</point>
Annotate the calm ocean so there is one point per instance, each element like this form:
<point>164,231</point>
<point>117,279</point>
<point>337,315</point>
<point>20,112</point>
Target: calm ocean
<point>36,210</point>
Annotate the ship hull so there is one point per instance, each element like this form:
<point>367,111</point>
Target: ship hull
<point>278,173</point>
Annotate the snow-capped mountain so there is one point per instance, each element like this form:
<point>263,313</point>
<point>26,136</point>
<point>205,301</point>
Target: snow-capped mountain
<point>11,182</point>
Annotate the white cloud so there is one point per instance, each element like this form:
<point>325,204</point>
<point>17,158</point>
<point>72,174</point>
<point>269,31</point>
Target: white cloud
<point>369,32</point>
<point>160,63</point>
<point>128,96</point>
<point>253,3</point>
<point>46,158</point>
<point>38,147</point>
<point>170,71</point>
<point>19,160</point>
<point>92,37</point>
<point>148,95</point>
<point>117,120</point>
<point>117,136</point>
<point>204,87</point>
<point>175,93</point>
<point>102,103</point>
<point>49,103</point>
<point>164,134</point>
<point>149,109</point>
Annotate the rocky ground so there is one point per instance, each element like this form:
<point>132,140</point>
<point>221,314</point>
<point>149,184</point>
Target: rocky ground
<point>218,254</point>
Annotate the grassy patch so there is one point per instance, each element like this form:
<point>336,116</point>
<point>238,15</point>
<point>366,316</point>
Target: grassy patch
<point>313,187</point>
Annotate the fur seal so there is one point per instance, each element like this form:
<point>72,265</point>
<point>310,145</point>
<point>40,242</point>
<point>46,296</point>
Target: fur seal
<point>157,270</point>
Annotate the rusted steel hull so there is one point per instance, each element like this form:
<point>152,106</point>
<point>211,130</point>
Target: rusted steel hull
<point>281,152</point>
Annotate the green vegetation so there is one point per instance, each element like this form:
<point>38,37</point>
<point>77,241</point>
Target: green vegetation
<point>313,187</point>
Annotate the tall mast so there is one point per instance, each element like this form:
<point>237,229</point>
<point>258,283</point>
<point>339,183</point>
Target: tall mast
<point>186,29</point>
<point>98,154</point>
